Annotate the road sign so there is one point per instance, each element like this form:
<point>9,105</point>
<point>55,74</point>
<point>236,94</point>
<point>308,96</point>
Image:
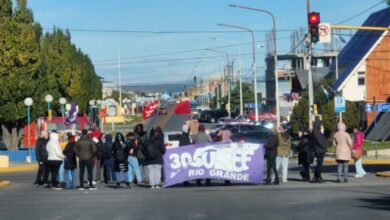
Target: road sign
<point>325,33</point>
<point>369,107</point>
<point>385,107</point>
<point>339,104</point>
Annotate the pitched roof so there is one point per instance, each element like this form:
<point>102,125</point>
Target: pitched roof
<point>360,44</point>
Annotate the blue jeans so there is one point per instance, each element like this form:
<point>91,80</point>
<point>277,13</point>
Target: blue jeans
<point>118,177</point>
<point>61,173</point>
<point>359,167</point>
<point>134,167</point>
<point>70,180</point>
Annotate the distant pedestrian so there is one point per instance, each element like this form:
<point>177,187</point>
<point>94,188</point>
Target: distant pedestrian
<point>305,152</point>
<point>85,149</point>
<point>321,145</point>
<point>41,156</point>
<point>226,135</point>
<point>343,143</point>
<point>154,151</point>
<point>54,160</point>
<point>70,162</point>
<point>120,151</point>
<point>358,148</point>
<point>271,151</point>
<point>132,159</point>
<point>202,138</point>
<point>284,149</point>
<point>185,138</point>
<point>107,159</point>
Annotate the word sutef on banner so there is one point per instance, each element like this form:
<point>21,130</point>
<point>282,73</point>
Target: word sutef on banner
<point>238,162</point>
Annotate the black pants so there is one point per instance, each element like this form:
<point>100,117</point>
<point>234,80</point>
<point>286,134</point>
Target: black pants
<point>108,173</point>
<point>318,169</point>
<point>306,171</point>
<point>52,167</point>
<point>271,164</point>
<point>89,165</point>
<point>41,173</point>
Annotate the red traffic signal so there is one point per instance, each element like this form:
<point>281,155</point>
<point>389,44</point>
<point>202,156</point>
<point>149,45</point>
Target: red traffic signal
<point>314,18</point>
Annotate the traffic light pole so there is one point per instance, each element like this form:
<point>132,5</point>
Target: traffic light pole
<point>309,72</point>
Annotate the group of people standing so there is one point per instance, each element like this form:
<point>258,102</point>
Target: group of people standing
<point>137,153</point>
<point>313,145</point>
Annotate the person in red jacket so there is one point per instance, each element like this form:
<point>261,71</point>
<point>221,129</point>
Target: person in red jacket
<point>358,146</point>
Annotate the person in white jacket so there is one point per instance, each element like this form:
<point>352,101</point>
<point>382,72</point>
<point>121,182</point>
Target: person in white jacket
<point>54,160</point>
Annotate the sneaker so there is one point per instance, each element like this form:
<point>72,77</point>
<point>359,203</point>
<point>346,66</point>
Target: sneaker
<point>153,187</point>
<point>157,187</point>
<point>359,176</point>
<point>81,188</point>
<point>92,187</point>
<point>57,188</point>
<point>338,181</point>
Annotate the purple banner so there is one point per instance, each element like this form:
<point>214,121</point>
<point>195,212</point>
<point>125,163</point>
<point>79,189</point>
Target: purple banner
<point>238,162</point>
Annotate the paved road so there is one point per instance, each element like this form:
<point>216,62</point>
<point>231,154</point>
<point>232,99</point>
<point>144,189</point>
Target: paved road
<point>365,198</point>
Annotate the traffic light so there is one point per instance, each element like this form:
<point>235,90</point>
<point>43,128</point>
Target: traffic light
<point>314,21</point>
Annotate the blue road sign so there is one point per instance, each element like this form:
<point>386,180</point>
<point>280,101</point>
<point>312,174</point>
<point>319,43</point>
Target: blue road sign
<point>385,107</point>
<point>369,107</point>
<point>339,104</point>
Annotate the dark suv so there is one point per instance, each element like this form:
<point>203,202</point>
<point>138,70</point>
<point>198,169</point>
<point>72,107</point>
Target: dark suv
<point>212,116</point>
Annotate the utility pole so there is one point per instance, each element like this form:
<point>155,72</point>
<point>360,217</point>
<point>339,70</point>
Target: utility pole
<point>119,80</point>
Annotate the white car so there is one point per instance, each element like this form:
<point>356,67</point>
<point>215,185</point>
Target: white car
<point>171,139</point>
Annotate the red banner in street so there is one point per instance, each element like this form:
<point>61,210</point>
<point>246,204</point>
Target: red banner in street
<point>183,108</point>
<point>150,110</point>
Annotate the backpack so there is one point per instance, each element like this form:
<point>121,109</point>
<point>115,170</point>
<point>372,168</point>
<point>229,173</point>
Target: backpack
<point>151,150</point>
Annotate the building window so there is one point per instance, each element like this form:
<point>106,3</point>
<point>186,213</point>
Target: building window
<point>361,78</point>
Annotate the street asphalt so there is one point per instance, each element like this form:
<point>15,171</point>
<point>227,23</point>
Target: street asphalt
<point>361,198</point>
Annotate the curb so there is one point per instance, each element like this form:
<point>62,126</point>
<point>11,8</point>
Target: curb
<point>364,161</point>
<point>5,184</point>
<point>385,174</point>
<point>23,168</point>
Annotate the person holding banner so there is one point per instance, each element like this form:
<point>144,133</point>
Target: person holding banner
<point>284,148</point>
<point>305,153</point>
<point>154,149</point>
<point>202,138</point>
<point>271,151</point>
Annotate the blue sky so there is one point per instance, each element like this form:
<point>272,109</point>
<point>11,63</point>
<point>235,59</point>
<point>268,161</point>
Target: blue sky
<point>175,15</point>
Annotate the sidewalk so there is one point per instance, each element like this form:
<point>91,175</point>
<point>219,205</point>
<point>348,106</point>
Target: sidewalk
<point>366,160</point>
<point>20,167</point>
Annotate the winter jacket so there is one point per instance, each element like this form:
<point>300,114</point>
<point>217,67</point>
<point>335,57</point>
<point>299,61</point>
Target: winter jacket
<point>107,156</point>
<point>70,162</point>
<point>321,144</point>
<point>99,149</point>
<point>133,147</point>
<point>154,150</point>
<point>284,145</point>
<point>85,148</point>
<point>53,148</point>
<point>271,147</point>
<point>202,138</point>
<point>184,139</point>
<point>358,144</point>
<point>120,151</point>
<point>40,149</point>
<point>343,143</point>
<point>305,150</point>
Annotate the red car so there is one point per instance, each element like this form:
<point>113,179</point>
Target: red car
<point>163,111</point>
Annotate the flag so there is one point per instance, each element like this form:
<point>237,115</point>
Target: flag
<point>150,110</point>
<point>183,108</point>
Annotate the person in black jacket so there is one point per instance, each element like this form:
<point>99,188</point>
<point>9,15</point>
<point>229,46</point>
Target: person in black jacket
<point>271,151</point>
<point>132,159</point>
<point>107,159</point>
<point>321,145</point>
<point>120,150</point>
<point>305,152</point>
<point>154,151</point>
<point>41,156</point>
<point>70,163</point>
<point>185,136</point>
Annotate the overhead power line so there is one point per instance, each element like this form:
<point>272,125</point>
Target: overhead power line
<point>361,13</point>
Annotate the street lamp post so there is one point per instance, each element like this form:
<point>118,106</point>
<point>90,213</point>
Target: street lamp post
<point>254,63</point>
<point>275,57</point>
<point>28,102</point>
<point>239,69</point>
<point>91,107</point>
<point>62,103</point>
<point>49,100</point>
<point>228,76</point>
<point>99,107</point>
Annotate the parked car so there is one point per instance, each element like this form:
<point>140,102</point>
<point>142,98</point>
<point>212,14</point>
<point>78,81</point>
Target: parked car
<point>171,139</point>
<point>235,128</point>
<point>212,116</point>
<point>256,136</point>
